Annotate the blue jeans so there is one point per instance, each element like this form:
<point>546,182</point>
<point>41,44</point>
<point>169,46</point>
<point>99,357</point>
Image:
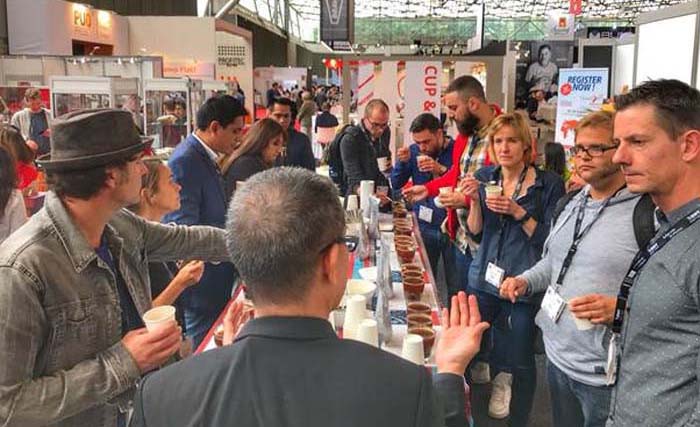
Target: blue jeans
<point>511,349</point>
<point>197,324</point>
<point>575,404</point>
<point>439,247</point>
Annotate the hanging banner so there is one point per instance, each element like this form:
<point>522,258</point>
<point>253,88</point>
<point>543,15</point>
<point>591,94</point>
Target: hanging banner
<point>365,84</point>
<point>422,92</point>
<point>575,7</point>
<point>560,26</point>
<point>337,21</point>
<point>581,91</point>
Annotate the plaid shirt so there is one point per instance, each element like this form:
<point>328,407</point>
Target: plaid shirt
<point>474,157</point>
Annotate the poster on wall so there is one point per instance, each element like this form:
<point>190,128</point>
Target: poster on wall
<point>422,92</point>
<point>537,68</point>
<point>581,90</point>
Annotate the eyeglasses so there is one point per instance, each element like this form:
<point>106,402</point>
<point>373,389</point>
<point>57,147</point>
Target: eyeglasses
<point>378,126</point>
<point>349,241</point>
<point>593,150</point>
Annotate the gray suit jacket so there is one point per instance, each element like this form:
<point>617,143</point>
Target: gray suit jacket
<point>294,371</point>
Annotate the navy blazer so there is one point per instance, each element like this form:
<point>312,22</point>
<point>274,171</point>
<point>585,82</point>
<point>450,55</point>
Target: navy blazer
<point>295,372</point>
<point>202,202</point>
<point>299,152</point>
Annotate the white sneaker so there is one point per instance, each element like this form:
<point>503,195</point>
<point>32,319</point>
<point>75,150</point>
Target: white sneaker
<point>499,405</point>
<point>480,373</point>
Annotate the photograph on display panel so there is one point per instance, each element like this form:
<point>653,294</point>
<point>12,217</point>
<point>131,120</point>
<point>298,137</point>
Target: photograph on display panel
<point>538,64</point>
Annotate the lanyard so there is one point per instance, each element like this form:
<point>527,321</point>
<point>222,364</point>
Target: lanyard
<point>516,193</point>
<point>579,234</point>
<point>640,260</point>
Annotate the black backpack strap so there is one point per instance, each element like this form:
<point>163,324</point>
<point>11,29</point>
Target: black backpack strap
<point>643,221</point>
<point>561,204</point>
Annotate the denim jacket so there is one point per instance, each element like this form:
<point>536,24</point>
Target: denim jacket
<point>518,251</point>
<point>63,363</point>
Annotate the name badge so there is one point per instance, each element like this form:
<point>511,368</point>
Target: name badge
<point>425,214</point>
<point>553,304</point>
<point>613,358</point>
<point>495,275</point>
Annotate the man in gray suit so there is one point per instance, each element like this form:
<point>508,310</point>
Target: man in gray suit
<point>287,367</point>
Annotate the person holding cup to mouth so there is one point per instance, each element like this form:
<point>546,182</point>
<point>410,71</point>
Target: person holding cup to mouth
<point>428,158</point>
<point>513,222</point>
<point>590,247</point>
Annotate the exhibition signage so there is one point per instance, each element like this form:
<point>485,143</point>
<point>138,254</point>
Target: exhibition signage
<point>422,92</point>
<point>581,91</point>
<point>365,84</point>
<point>560,26</point>
<point>337,21</point>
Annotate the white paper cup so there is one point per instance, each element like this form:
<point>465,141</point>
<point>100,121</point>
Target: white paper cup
<point>383,163</point>
<point>367,333</point>
<point>413,349</point>
<point>355,313</point>
<point>159,317</point>
<point>445,190</point>
<point>353,203</point>
<point>582,324</point>
<point>493,191</point>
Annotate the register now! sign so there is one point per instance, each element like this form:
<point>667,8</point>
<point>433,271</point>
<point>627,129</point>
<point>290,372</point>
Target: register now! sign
<point>421,93</point>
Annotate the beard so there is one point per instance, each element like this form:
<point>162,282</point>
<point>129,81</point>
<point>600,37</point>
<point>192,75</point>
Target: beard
<point>468,126</point>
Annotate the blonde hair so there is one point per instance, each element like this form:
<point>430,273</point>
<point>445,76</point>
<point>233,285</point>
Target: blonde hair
<point>519,124</point>
<point>598,119</point>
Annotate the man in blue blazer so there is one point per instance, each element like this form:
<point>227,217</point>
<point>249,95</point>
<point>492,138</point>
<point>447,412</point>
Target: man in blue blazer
<point>220,122</point>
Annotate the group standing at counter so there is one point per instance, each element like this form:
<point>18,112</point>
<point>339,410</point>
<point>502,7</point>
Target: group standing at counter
<point>610,272</point>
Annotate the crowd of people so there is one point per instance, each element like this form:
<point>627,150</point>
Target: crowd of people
<point>606,268</point>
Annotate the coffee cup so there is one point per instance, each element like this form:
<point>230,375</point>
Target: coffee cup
<point>413,349</point>
<point>413,288</point>
<point>159,317</point>
<point>428,335</point>
<point>383,163</point>
<point>418,307</point>
<point>355,313</point>
<point>421,159</point>
<point>419,320</point>
<point>582,324</point>
<point>353,203</point>
<point>367,332</point>
<point>493,190</point>
<point>445,191</point>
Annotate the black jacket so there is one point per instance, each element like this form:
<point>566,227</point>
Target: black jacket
<point>299,152</point>
<point>360,155</point>
<point>295,372</point>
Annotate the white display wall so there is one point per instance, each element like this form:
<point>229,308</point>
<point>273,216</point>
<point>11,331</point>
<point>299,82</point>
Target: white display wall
<point>667,43</point>
<point>623,72</point>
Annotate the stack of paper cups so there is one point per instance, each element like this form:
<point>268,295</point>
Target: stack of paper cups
<point>354,315</point>
<point>366,191</point>
<point>367,333</point>
<point>413,349</point>
<point>352,203</point>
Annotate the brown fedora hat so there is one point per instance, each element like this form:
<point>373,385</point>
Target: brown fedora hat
<point>87,139</point>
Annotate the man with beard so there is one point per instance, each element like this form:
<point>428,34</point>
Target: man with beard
<point>590,246</point>
<point>466,104</point>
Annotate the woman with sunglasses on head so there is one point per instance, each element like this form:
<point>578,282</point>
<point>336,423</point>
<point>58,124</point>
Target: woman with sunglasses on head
<point>511,210</point>
<point>261,146</point>
<point>11,140</point>
<point>13,214</point>
<point>160,195</point>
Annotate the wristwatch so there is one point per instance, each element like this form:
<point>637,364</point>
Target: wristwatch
<point>524,218</point>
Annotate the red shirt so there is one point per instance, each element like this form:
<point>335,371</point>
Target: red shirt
<point>26,174</point>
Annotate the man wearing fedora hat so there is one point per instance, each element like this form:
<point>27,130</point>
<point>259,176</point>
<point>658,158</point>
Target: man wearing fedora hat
<point>74,281</point>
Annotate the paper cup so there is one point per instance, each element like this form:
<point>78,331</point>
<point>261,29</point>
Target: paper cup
<point>159,317</point>
<point>383,163</point>
<point>353,203</point>
<point>582,324</point>
<point>354,315</point>
<point>412,349</point>
<point>445,190</point>
<point>493,191</point>
<point>367,333</point>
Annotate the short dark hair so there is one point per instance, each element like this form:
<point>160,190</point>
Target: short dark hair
<point>281,100</point>
<point>425,121</point>
<point>543,47</point>
<point>467,86</point>
<point>81,184</point>
<point>554,158</point>
<point>276,249</point>
<point>221,108</point>
<point>676,104</point>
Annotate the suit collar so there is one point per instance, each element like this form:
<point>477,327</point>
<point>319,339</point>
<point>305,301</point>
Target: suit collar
<point>297,328</point>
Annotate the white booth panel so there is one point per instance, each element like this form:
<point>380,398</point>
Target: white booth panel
<point>624,67</point>
<point>666,49</point>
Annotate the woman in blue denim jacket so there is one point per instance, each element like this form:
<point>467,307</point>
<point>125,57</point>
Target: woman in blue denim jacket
<point>513,221</point>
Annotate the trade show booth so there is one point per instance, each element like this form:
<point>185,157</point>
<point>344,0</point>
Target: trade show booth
<point>70,93</point>
<point>170,107</point>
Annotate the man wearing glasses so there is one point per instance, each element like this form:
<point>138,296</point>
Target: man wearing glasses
<point>362,145</point>
<point>287,367</point>
<point>589,249</point>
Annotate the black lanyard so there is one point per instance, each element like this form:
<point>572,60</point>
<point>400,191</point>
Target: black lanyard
<point>579,234</point>
<point>516,193</point>
<point>640,260</point>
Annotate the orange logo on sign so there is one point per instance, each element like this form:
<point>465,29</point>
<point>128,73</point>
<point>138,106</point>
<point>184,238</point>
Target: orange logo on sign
<point>82,18</point>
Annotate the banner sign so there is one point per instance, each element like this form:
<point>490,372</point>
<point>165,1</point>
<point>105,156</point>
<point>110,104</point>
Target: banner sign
<point>337,21</point>
<point>575,7</point>
<point>365,84</point>
<point>422,93</point>
<point>581,91</point>
<point>560,26</point>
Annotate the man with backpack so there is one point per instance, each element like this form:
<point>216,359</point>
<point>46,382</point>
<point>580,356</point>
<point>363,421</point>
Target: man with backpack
<point>353,154</point>
<point>595,234</point>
